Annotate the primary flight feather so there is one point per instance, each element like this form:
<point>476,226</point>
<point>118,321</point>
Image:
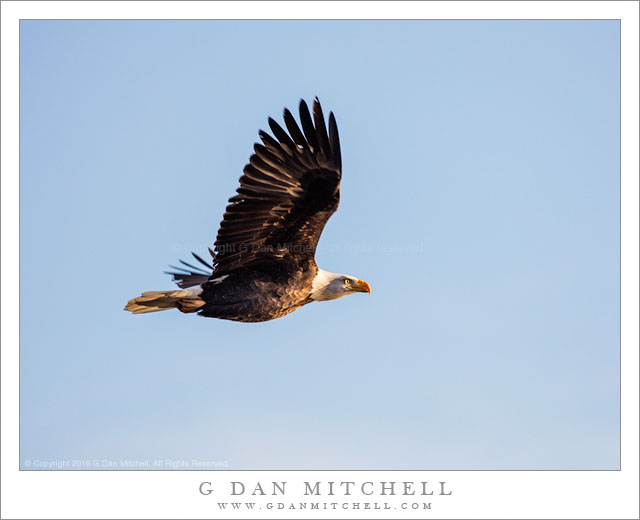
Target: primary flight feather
<point>263,263</point>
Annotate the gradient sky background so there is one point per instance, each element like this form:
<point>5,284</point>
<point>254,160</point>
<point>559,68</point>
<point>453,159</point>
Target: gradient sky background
<point>479,199</point>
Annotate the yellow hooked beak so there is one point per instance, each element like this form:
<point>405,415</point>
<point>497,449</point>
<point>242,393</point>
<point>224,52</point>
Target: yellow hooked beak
<point>361,286</point>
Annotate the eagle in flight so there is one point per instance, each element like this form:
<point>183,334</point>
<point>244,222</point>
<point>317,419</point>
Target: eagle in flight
<point>263,263</point>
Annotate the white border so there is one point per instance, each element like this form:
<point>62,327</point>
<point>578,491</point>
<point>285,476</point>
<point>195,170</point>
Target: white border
<point>477,494</point>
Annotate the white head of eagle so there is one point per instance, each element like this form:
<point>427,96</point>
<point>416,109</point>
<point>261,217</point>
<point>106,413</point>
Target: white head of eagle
<point>263,260</point>
<point>331,286</point>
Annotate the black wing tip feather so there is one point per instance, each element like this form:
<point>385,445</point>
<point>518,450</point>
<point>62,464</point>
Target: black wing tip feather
<point>313,133</point>
<point>317,106</point>
<point>307,126</point>
<point>193,269</point>
<point>334,141</point>
<point>194,275</point>
<point>303,103</point>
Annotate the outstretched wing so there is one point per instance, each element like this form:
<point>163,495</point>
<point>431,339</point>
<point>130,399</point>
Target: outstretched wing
<point>289,189</point>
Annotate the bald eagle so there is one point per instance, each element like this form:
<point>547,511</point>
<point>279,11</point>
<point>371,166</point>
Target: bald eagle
<point>263,264</point>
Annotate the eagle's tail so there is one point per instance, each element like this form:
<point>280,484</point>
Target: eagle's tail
<point>152,301</point>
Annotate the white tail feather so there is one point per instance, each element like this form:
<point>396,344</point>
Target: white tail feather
<point>154,301</point>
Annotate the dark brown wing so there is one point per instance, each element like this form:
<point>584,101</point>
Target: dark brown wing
<point>289,189</point>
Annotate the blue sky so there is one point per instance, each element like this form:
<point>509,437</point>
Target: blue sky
<point>480,199</point>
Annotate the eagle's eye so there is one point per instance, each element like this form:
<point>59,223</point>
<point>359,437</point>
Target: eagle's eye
<point>347,281</point>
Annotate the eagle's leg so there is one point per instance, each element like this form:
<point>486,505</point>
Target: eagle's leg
<point>188,305</point>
